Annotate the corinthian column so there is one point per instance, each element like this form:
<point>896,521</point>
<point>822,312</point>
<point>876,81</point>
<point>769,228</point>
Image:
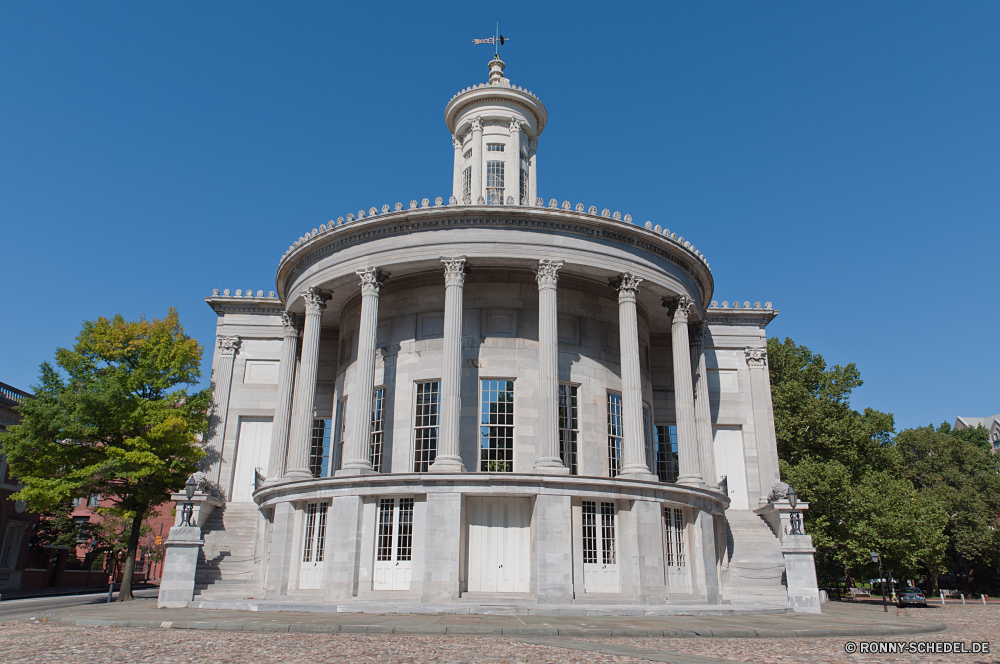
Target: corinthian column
<point>457,184</point>
<point>512,178</point>
<point>477,159</point>
<point>448,458</point>
<point>634,465</point>
<point>687,431</point>
<point>220,404</point>
<point>702,409</point>
<point>763,420</point>
<point>548,460</point>
<point>282,412</point>
<point>357,448</point>
<point>305,391</point>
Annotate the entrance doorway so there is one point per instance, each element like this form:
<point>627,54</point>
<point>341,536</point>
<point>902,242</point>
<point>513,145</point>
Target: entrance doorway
<point>600,548</point>
<point>253,451</point>
<point>499,544</point>
<point>729,461</point>
<point>394,544</point>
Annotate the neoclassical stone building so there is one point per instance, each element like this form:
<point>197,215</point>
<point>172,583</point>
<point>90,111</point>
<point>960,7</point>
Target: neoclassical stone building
<point>490,397</point>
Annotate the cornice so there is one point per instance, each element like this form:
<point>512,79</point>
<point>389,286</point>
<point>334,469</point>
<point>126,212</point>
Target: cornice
<point>740,314</point>
<point>228,304</point>
<point>321,243</point>
<point>485,93</point>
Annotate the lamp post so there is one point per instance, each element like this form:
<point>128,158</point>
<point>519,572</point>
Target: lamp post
<point>794,519</point>
<point>188,510</point>
<point>877,559</point>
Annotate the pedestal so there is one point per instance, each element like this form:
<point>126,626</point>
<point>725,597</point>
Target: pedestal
<point>179,567</point>
<point>800,573</point>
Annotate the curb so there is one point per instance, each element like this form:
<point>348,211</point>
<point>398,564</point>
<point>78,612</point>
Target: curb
<point>519,632</point>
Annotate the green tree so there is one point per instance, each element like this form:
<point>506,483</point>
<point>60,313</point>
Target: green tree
<point>116,421</point>
<point>845,464</point>
<point>954,469</point>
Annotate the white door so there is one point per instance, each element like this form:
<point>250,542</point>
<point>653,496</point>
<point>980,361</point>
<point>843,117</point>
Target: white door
<point>675,550</point>
<point>313,546</point>
<point>600,548</point>
<point>253,450</point>
<point>729,461</point>
<point>499,544</point>
<point>394,544</point>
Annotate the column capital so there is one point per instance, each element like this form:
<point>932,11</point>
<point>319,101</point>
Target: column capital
<point>290,324</point>
<point>547,275</point>
<point>477,124</point>
<point>315,301</point>
<point>756,357</point>
<point>228,346</point>
<point>627,286</point>
<point>371,280</point>
<point>456,141</point>
<point>515,125</point>
<point>681,308</point>
<point>454,271</point>
<point>698,333</point>
<point>532,144</point>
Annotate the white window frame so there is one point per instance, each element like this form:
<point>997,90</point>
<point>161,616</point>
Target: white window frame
<point>485,425</point>
<point>422,422</point>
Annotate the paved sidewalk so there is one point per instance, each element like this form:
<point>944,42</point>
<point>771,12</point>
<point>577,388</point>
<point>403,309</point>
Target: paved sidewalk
<point>838,620</point>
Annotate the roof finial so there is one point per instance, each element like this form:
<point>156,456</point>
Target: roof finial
<point>496,70</point>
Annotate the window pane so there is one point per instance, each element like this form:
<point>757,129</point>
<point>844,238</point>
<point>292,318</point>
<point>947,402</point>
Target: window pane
<point>568,426</point>
<point>338,446</point>
<point>608,533</point>
<point>321,532</point>
<point>614,434</point>
<point>494,183</point>
<point>425,426</point>
<point>589,531</point>
<point>378,422</point>
<point>496,436</point>
<point>494,147</point>
<point>467,181</point>
<point>666,452</point>
<point>307,549</point>
<point>319,455</point>
<point>384,548</point>
<point>404,534</point>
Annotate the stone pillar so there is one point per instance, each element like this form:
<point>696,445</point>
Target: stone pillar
<point>703,410</point>
<point>283,409</point>
<point>763,422</point>
<point>800,573</point>
<point>687,432</point>
<point>477,159</point>
<point>553,549</point>
<point>448,458</point>
<point>456,141</point>
<point>340,573</point>
<point>280,556</point>
<point>179,567</point>
<point>548,461</point>
<point>357,448</point>
<point>634,453</point>
<point>305,393</point>
<point>512,177</point>
<point>532,171</point>
<point>220,408</point>
<point>705,558</point>
<point>442,547</point>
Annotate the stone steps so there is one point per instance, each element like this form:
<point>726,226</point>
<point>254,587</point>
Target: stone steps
<point>756,565</point>
<point>226,565</point>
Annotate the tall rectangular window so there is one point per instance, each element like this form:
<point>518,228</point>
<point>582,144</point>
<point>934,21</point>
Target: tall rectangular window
<point>569,427</point>
<point>496,431</point>
<point>378,428</point>
<point>315,532</point>
<point>395,530</point>
<point>340,425</point>
<point>614,434</point>
<point>524,176</point>
<point>666,452</point>
<point>467,182</point>
<point>673,528</point>
<point>494,183</point>
<point>319,454</point>
<point>425,425</point>
<point>608,533</point>
<point>384,544</point>
<point>404,531</point>
<point>647,433</point>
<point>589,531</point>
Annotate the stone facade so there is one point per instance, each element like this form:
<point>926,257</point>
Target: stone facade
<point>490,398</point>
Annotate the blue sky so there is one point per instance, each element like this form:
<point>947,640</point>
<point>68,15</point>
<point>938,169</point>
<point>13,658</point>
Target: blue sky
<point>839,159</point>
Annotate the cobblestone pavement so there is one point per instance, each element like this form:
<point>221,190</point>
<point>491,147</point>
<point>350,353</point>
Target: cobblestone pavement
<point>23,642</point>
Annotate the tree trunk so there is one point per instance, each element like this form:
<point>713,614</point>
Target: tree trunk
<point>125,594</point>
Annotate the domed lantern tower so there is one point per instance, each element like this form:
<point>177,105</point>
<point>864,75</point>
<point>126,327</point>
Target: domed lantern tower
<point>495,128</point>
<point>490,398</point>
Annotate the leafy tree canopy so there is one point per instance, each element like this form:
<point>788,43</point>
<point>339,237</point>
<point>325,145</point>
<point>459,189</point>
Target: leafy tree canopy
<point>116,420</point>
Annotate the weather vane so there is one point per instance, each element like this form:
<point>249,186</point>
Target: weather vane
<point>497,39</point>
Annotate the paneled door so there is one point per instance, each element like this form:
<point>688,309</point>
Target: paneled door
<point>499,544</point>
<point>729,461</point>
<point>313,546</point>
<point>253,450</point>
<point>394,544</point>
<point>600,544</point>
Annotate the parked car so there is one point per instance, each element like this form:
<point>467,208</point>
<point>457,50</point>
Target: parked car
<point>910,596</point>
